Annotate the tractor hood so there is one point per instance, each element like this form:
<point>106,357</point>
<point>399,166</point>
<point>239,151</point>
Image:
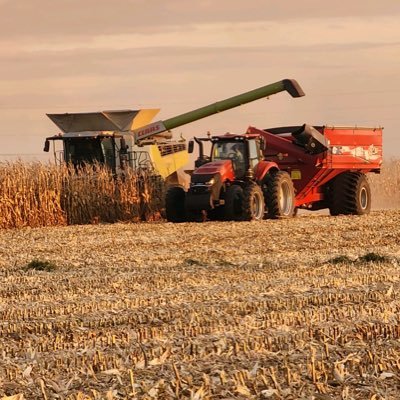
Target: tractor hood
<point>120,120</point>
<point>222,167</point>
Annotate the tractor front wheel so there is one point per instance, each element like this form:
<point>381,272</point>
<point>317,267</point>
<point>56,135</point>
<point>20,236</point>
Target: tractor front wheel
<point>253,203</point>
<point>232,210</point>
<point>279,195</point>
<point>350,194</point>
<point>175,204</point>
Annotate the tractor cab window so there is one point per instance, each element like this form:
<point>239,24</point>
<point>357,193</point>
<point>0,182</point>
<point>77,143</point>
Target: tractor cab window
<point>254,152</point>
<point>234,151</point>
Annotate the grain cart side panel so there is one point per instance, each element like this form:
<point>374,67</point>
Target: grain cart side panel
<point>354,148</point>
<point>350,149</point>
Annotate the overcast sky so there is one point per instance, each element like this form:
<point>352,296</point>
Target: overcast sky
<point>91,55</point>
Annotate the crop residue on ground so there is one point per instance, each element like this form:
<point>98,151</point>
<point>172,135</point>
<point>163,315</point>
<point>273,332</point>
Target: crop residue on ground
<point>289,309</point>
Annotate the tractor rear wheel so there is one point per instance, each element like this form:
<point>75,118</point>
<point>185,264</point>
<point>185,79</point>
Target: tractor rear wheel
<point>279,195</point>
<point>232,210</point>
<point>253,203</point>
<point>350,194</point>
<point>175,204</point>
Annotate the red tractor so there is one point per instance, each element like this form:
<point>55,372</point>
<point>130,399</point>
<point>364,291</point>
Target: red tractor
<point>273,172</point>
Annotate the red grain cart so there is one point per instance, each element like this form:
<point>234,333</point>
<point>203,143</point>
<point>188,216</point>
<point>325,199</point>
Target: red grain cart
<point>327,164</point>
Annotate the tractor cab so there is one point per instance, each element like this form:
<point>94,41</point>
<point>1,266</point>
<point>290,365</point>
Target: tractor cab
<point>244,151</point>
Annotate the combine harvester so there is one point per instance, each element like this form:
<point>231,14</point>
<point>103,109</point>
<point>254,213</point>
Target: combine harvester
<point>124,139</point>
<point>106,138</point>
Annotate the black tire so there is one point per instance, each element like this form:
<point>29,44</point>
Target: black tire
<point>233,208</point>
<point>216,214</point>
<point>253,203</point>
<point>194,215</point>
<point>279,195</point>
<point>175,204</point>
<point>349,194</point>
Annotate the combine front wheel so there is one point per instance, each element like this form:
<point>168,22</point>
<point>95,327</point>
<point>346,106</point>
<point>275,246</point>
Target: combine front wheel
<point>350,194</point>
<point>253,203</point>
<point>280,195</point>
<point>175,204</point>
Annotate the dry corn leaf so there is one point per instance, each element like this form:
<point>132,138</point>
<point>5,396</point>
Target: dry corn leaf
<point>19,396</point>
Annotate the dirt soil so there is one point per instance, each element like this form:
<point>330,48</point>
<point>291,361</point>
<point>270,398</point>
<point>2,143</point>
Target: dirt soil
<point>306,308</point>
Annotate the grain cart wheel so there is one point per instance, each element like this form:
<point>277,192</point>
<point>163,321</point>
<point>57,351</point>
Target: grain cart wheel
<point>232,210</point>
<point>175,204</point>
<point>350,194</point>
<point>253,203</point>
<point>279,195</point>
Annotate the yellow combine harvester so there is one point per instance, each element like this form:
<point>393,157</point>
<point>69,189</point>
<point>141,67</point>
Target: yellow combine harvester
<point>128,138</point>
<point>108,138</point>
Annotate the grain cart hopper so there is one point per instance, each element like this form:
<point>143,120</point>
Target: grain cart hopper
<point>273,172</point>
<point>121,139</point>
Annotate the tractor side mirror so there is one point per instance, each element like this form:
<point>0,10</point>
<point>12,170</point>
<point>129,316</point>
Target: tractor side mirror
<point>190,146</point>
<point>46,147</point>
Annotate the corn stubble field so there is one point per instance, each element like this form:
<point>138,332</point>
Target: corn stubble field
<point>306,308</point>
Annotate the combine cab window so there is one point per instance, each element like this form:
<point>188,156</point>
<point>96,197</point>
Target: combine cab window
<point>80,151</point>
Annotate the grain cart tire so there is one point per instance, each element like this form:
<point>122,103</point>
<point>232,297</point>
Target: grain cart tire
<point>279,195</point>
<point>232,210</point>
<point>350,194</point>
<point>175,204</point>
<point>253,203</point>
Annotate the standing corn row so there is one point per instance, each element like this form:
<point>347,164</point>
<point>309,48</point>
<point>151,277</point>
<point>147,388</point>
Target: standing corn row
<point>35,194</point>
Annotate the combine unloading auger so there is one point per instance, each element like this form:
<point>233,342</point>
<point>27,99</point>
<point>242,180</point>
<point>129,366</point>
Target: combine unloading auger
<point>289,85</point>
